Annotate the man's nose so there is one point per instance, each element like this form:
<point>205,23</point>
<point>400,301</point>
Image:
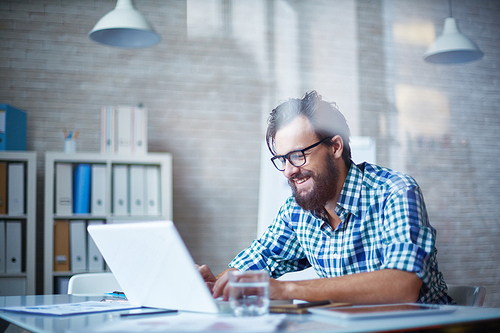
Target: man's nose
<point>290,169</point>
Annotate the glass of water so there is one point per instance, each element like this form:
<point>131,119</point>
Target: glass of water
<point>249,293</point>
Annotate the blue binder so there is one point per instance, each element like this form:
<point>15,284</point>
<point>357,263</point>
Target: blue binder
<point>81,189</point>
<point>12,128</point>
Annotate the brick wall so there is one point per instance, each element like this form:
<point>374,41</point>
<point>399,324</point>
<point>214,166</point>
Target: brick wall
<point>209,85</point>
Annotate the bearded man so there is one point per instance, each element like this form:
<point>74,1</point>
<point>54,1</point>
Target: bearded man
<point>363,228</point>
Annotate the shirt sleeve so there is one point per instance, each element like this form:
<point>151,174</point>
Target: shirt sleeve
<point>278,251</point>
<point>407,237</point>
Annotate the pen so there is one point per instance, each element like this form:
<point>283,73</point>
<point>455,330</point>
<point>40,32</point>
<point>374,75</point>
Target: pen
<point>65,132</point>
<point>130,314</point>
<point>76,135</point>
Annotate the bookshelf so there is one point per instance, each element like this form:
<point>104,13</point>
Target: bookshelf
<point>22,281</point>
<point>113,188</point>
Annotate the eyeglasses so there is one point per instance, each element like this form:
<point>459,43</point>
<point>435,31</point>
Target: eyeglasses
<point>296,158</point>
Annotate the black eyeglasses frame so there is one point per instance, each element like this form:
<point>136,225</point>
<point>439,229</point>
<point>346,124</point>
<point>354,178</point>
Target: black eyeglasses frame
<point>283,158</point>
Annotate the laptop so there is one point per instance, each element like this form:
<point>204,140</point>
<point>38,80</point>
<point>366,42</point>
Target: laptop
<point>153,265</point>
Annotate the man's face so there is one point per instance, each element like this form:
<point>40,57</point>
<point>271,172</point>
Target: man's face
<point>314,183</point>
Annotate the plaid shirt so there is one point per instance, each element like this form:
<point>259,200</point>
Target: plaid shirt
<point>384,225</point>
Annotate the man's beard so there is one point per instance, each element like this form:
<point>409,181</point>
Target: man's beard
<point>325,186</point>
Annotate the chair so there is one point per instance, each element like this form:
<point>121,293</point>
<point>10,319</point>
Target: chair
<point>93,283</point>
<point>467,295</point>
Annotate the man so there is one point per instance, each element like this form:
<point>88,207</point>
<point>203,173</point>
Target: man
<point>363,228</point>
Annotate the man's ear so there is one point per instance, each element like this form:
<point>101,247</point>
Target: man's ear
<point>338,146</point>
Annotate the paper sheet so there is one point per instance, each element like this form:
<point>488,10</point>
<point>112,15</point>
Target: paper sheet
<point>72,308</point>
<point>192,322</point>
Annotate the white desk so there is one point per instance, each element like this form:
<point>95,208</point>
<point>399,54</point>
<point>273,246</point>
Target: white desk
<point>472,318</point>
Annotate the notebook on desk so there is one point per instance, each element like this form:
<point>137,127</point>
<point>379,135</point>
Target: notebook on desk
<point>153,266</point>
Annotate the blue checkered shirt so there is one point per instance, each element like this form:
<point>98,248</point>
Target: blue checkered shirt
<point>384,225</point>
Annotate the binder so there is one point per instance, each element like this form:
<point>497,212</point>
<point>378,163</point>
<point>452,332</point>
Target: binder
<point>64,189</point>
<point>12,128</point>
<point>81,189</point>
<point>3,188</point>
<point>140,137</point>
<point>61,284</point>
<point>61,246</point>
<point>2,247</point>
<point>108,124</point>
<point>12,287</point>
<point>152,190</point>
<point>15,189</point>
<point>137,190</point>
<point>98,192</point>
<point>120,189</point>
<point>78,246</point>
<point>124,130</point>
<point>13,248</point>
<point>95,261</point>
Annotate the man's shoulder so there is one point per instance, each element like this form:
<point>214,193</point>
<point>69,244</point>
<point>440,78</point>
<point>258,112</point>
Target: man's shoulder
<point>378,177</point>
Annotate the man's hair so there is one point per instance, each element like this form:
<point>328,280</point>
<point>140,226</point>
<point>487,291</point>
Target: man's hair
<point>326,119</point>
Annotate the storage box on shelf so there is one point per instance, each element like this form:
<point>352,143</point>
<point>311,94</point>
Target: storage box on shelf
<point>85,188</point>
<point>17,222</point>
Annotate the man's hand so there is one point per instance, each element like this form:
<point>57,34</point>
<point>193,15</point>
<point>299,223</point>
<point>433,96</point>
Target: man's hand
<point>207,276</point>
<point>220,288</point>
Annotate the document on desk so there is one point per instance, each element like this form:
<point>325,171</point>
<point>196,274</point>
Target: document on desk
<point>72,308</point>
<point>191,322</point>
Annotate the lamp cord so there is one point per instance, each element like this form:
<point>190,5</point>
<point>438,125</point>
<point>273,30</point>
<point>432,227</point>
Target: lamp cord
<point>450,8</point>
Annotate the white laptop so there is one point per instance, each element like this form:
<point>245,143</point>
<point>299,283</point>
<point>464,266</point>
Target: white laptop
<point>153,265</point>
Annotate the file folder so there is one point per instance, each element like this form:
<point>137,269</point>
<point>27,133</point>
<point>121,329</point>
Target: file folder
<point>3,188</point>
<point>108,130</point>
<point>61,246</point>
<point>15,189</point>
<point>2,247</point>
<point>140,144</point>
<point>95,261</point>
<point>152,190</point>
<point>124,130</point>
<point>120,189</point>
<point>98,192</point>
<point>78,246</point>
<point>13,287</point>
<point>12,128</point>
<point>13,248</point>
<point>137,190</point>
<point>64,189</point>
<point>81,189</point>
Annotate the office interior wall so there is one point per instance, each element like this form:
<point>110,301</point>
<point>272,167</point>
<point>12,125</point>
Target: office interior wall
<point>210,84</point>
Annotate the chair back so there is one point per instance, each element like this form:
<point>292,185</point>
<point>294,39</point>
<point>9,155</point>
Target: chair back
<point>93,283</point>
<point>467,295</point>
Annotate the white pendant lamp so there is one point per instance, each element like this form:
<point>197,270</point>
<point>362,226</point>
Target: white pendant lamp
<point>126,27</point>
<point>452,47</point>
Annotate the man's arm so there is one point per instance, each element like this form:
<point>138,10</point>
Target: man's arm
<point>383,286</point>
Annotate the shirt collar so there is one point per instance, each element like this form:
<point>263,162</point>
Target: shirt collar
<point>351,191</point>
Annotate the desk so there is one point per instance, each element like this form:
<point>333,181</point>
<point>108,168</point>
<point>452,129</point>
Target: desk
<point>469,319</point>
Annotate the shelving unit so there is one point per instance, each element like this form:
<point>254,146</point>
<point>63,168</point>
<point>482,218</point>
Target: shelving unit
<point>163,161</point>
<point>23,282</point>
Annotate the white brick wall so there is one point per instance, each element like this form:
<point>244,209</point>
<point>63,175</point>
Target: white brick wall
<point>207,96</point>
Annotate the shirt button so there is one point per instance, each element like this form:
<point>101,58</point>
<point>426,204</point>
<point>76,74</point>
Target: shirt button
<point>336,256</point>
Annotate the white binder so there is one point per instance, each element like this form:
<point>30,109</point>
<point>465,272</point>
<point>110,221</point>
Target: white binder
<point>98,190</point>
<point>120,189</point>
<point>13,251</point>
<point>15,189</point>
<point>78,245</point>
<point>64,189</point>
<point>2,247</point>
<point>124,130</point>
<point>140,145</point>
<point>95,261</point>
<point>152,190</point>
<point>137,190</point>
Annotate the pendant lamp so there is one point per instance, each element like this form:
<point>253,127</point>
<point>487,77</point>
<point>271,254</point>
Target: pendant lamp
<point>452,47</point>
<point>125,27</point>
